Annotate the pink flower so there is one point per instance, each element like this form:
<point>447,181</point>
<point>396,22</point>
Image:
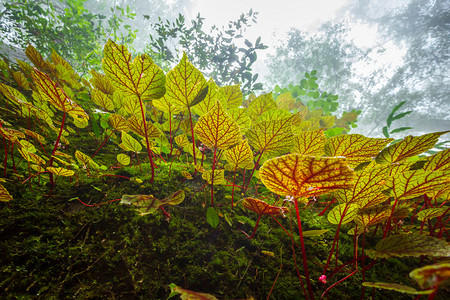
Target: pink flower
<point>323,279</point>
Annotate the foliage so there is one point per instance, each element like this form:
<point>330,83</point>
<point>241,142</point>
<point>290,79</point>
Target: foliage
<point>364,185</point>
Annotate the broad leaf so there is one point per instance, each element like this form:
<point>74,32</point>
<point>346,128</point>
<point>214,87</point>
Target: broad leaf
<point>219,176</point>
<point>100,82</point>
<point>260,105</point>
<point>147,204</point>
<point>130,143</point>
<point>184,83</point>
<point>309,143</point>
<point>430,213</point>
<point>233,96</point>
<point>165,105</point>
<point>355,147</point>
<point>36,58</point>
<point>286,101</point>
<point>119,123</point>
<point>373,215</point>
<point>240,116</point>
<point>102,100</point>
<point>337,213</point>
<point>410,245</point>
<point>408,147</point>
<point>61,171</point>
<point>123,159</point>
<point>396,287</point>
<point>212,217</point>
<point>262,208</point>
<point>215,93</point>
<point>141,77</point>
<point>217,129</point>
<point>303,176</point>
<point>431,276</point>
<point>239,156</point>
<point>137,126</point>
<point>440,161</point>
<point>4,194</point>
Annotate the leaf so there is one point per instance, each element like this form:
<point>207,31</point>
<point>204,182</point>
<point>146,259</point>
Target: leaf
<point>4,194</point>
<point>52,93</point>
<point>60,171</point>
<point>337,213</point>
<point>123,159</point>
<point>286,101</point>
<point>271,137</point>
<point>200,97</point>
<point>233,96</point>
<point>262,208</point>
<point>309,143</point>
<point>215,93</point>
<point>147,204</point>
<point>117,122</point>
<point>165,105</point>
<point>102,83</point>
<point>303,176</point>
<point>137,126</point>
<point>368,189</point>
<point>400,129</point>
<point>431,276</point>
<point>130,143</point>
<point>313,233</point>
<point>174,198</point>
<point>141,77</point>
<point>410,245</point>
<point>212,217</point>
<point>217,129</point>
<point>102,100</point>
<point>396,287</point>
<point>21,80</point>
<point>36,58</point>
<point>190,295</point>
<point>260,105</point>
<point>440,161</point>
<point>219,176</point>
<point>239,115</point>
<point>12,94</point>
<point>430,213</point>
<point>411,184</point>
<point>82,158</point>
<point>34,135</point>
<point>373,215</point>
<point>184,83</point>
<point>408,147</point>
<point>239,156</point>
<point>355,147</point>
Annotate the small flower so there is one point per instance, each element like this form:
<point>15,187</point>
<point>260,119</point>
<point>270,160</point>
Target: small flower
<point>323,279</point>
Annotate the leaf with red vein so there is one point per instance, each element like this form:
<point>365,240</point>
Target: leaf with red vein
<point>52,93</point>
<point>271,137</point>
<point>132,105</point>
<point>337,213</point>
<point>12,94</point>
<point>233,96</point>
<point>129,143</point>
<point>217,129</point>
<point>262,208</point>
<point>147,204</point>
<point>184,83</point>
<point>355,147</point>
<point>215,93</point>
<point>412,184</point>
<point>369,186</point>
<point>303,176</point>
<point>409,146</point>
<point>165,105</point>
<point>260,105</point>
<point>137,126</point>
<point>240,116</point>
<point>440,161</point>
<point>273,114</point>
<point>286,101</point>
<point>5,196</point>
<point>118,122</point>
<point>21,80</point>
<point>219,176</point>
<point>239,156</point>
<point>61,171</point>
<point>140,77</point>
<point>309,143</point>
<point>36,58</point>
<point>430,213</point>
<point>373,215</point>
<point>102,83</point>
<point>102,100</point>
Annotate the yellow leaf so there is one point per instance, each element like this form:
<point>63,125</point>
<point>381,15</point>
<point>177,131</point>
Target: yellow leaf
<point>130,143</point>
<point>309,143</point>
<point>239,156</point>
<point>60,171</point>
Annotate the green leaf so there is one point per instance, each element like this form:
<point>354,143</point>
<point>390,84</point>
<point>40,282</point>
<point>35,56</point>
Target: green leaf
<point>410,245</point>
<point>430,213</point>
<point>200,97</point>
<point>123,159</point>
<point>337,213</point>
<point>260,105</point>
<point>233,96</point>
<point>431,276</point>
<point>403,114</point>
<point>212,217</point>
<point>396,287</point>
<point>130,143</point>
<point>4,194</point>
<point>400,129</point>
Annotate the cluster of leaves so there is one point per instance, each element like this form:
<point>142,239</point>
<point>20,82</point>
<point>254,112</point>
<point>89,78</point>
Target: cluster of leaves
<point>219,135</point>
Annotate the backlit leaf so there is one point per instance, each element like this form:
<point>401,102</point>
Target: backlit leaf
<point>262,208</point>
<point>117,122</point>
<point>286,101</point>
<point>368,189</point>
<point>137,126</point>
<point>212,217</point>
<point>309,143</point>
<point>101,83</point>
<point>396,287</point>
<point>215,93</point>
<point>35,135</point>
<point>123,159</point>
<point>440,161</point>
<point>233,96</point>
<point>239,156</point>
<point>190,295</point>
<point>186,175</point>
<point>61,171</point>
<point>373,215</point>
<point>355,147</point>
<point>4,194</point>
<point>271,137</point>
<point>303,176</point>
<point>217,129</point>
<point>36,58</point>
<point>21,80</point>
<point>409,146</point>
<point>184,83</point>
<point>130,143</point>
<point>165,105</point>
<point>219,176</point>
<point>273,114</point>
<point>12,94</point>
<point>260,105</point>
<point>430,213</point>
<point>432,275</point>
<point>313,233</point>
<point>239,115</point>
<point>141,77</point>
<point>82,158</point>
<point>410,245</point>
<point>102,100</point>
<point>132,106</point>
<point>147,204</point>
<point>337,213</point>
<point>412,184</point>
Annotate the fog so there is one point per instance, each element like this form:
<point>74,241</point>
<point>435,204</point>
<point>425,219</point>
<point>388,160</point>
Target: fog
<point>373,54</point>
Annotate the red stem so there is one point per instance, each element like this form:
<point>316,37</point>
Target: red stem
<point>146,140</point>
<point>50,163</point>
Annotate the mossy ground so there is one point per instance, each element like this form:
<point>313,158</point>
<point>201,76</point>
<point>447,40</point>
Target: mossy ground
<point>54,247</point>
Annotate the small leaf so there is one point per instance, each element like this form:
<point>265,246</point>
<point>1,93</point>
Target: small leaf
<point>233,96</point>
<point>400,129</point>
<point>430,213</point>
<point>60,171</point>
<point>212,217</point>
<point>102,100</point>
<point>411,184</point>
<point>219,176</point>
<point>130,143</point>
<point>337,213</point>
<point>119,123</point>
<point>396,287</point>
<point>260,105</point>
<point>262,208</point>
<point>410,245</point>
<point>408,147</point>
<point>4,194</point>
<point>123,159</point>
